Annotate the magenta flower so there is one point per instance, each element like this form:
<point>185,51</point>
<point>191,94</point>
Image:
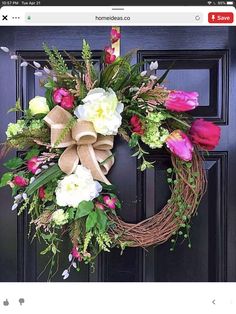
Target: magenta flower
<point>109,55</point>
<point>41,193</point>
<point>63,97</point>
<point>76,254</point>
<point>182,101</point>
<point>20,181</point>
<point>110,202</point>
<point>115,35</point>
<point>205,134</point>
<point>180,145</point>
<point>33,164</point>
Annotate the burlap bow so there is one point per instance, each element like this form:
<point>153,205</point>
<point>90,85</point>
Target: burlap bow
<point>83,145</point>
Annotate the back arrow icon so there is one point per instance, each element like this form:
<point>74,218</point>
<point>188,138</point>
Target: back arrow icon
<point>214,302</point>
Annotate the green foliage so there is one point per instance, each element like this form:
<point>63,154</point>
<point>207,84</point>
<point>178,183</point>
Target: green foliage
<point>114,74</point>
<point>102,220</point>
<point>27,138</point>
<point>32,153</point>
<point>6,178</point>
<point>47,176</point>
<point>86,51</point>
<point>91,220</point>
<point>16,108</point>
<point>140,152</point>
<point>104,241</point>
<point>56,60</point>
<point>49,97</point>
<point>84,209</point>
<point>13,163</point>
<point>109,188</point>
<point>87,239</point>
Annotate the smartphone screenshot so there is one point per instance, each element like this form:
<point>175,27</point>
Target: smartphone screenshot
<point>117,157</point>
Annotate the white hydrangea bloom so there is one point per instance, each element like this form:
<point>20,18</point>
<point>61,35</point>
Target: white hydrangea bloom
<point>59,217</point>
<point>103,109</point>
<point>77,187</point>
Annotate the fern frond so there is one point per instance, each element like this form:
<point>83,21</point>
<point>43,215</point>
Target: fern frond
<point>65,131</point>
<point>56,60</point>
<point>86,51</point>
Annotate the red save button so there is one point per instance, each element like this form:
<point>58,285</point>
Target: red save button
<point>220,17</point>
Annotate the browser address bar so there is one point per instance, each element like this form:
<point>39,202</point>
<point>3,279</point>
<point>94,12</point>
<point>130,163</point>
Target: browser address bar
<point>111,18</point>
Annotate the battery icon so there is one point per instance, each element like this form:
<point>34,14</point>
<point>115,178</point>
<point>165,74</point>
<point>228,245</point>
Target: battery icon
<point>230,3</point>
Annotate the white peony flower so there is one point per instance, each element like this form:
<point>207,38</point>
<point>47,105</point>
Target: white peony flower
<point>77,187</point>
<point>38,105</point>
<point>103,109</point>
<point>59,217</point>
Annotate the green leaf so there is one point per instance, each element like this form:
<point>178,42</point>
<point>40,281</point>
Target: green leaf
<point>54,250</point>
<point>48,249</point>
<point>101,220</point>
<point>134,140</point>
<point>32,153</point>
<point>84,208</point>
<point>50,84</point>
<point>108,187</point>
<point>71,212</point>
<point>6,178</point>
<point>16,108</point>
<point>13,163</point>
<point>47,176</point>
<point>91,221</point>
<point>189,165</point>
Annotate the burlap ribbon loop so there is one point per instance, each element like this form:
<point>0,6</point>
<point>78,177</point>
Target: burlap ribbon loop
<point>83,145</point>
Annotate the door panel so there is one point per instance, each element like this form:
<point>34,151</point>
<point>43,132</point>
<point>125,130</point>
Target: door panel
<point>205,61</point>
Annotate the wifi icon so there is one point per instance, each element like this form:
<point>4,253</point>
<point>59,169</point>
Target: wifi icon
<point>209,2</point>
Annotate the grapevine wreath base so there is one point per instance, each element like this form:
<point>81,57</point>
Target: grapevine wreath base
<point>163,225</point>
<point>66,139</point>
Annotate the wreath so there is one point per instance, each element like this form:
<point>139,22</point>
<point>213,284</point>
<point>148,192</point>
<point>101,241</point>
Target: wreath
<point>66,138</point>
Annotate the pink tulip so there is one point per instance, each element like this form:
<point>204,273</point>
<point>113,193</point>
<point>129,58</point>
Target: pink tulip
<point>182,101</point>
<point>115,35</point>
<point>204,133</point>
<point>20,181</point>
<point>76,254</point>
<point>109,55</point>
<point>64,98</point>
<point>33,164</point>
<point>110,202</point>
<point>180,145</point>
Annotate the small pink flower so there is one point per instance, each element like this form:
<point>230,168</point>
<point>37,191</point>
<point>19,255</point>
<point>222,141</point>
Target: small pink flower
<point>76,254</point>
<point>64,98</point>
<point>99,205</point>
<point>33,164</point>
<point>42,193</point>
<point>110,202</point>
<point>20,181</point>
<point>180,145</point>
<point>115,35</point>
<point>109,55</point>
<point>180,101</point>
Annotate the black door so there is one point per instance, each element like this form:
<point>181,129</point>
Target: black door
<point>205,61</point>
